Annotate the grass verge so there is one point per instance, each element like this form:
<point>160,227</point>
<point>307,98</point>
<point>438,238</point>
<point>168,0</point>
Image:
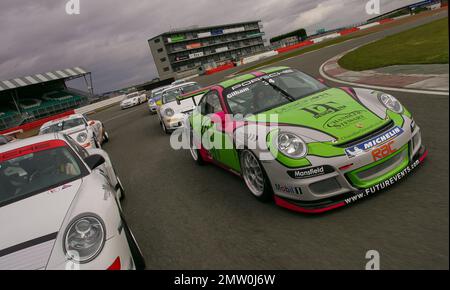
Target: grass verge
<point>426,44</point>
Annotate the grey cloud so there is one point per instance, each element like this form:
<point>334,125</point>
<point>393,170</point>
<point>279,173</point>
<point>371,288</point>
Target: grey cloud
<point>109,37</point>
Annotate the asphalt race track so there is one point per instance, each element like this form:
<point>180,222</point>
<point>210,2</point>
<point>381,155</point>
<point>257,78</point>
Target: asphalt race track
<point>189,217</point>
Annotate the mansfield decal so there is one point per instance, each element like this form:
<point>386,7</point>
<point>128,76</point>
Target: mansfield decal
<point>310,172</point>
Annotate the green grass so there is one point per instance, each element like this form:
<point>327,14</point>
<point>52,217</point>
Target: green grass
<point>426,44</point>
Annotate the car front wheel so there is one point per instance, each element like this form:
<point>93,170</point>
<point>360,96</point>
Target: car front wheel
<point>195,153</point>
<point>254,176</point>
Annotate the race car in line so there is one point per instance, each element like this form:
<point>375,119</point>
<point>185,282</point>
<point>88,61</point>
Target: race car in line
<point>314,148</point>
<point>87,133</point>
<point>133,99</point>
<point>155,96</point>
<point>171,113</point>
<point>60,208</point>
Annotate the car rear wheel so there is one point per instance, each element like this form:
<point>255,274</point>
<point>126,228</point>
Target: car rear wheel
<point>254,176</point>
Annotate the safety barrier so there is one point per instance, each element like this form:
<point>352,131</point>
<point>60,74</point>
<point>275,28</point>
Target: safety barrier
<point>37,123</point>
<point>93,107</point>
<point>219,68</point>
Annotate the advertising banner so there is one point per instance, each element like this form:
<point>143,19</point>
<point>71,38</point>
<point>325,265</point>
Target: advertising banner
<point>195,55</point>
<point>194,45</point>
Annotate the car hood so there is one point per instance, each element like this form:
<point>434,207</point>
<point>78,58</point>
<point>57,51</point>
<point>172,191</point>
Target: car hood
<point>74,130</point>
<point>129,100</point>
<point>36,216</point>
<point>333,112</point>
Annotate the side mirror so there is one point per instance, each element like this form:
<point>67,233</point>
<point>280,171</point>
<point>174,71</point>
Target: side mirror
<point>94,161</point>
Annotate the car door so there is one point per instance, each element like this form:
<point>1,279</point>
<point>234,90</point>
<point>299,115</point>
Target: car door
<point>220,143</point>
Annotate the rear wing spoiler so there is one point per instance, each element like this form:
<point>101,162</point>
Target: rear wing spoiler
<point>193,95</point>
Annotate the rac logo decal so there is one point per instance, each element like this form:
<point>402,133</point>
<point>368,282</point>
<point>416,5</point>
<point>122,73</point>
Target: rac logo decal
<point>383,151</point>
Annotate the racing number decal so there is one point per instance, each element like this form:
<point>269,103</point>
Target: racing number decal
<point>383,151</point>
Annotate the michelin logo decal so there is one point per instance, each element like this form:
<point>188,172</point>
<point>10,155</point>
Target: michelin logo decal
<point>371,143</point>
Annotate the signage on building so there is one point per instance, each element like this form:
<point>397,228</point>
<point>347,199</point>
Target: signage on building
<point>204,34</point>
<point>222,49</point>
<point>194,45</point>
<point>196,54</point>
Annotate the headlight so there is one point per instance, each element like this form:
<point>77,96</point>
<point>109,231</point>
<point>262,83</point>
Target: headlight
<point>169,112</point>
<point>84,239</point>
<point>291,145</point>
<point>151,102</point>
<point>81,138</point>
<point>391,103</point>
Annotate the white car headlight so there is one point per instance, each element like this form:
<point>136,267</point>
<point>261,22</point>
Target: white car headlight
<point>391,103</point>
<point>84,238</point>
<point>291,145</point>
<point>151,103</point>
<point>81,138</point>
<point>169,112</point>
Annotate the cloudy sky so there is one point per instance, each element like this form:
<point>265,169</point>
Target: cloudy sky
<point>109,37</point>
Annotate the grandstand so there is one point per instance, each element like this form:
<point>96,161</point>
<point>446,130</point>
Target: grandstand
<point>28,99</point>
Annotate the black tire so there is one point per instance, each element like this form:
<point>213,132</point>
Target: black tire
<point>164,129</point>
<point>105,136</point>
<point>122,191</point>
<point>136,253</point>
<point>267,192</point>
<point>96,143</point>
<point>195,153</point>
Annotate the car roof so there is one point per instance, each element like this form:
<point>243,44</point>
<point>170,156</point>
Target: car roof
<point>160,89</point>
<point>59,120</point>
<point>30,141</point>
<point>249,76</point>
<point>180,86</point>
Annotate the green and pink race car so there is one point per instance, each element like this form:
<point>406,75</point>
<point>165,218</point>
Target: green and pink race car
<point>309,147</point>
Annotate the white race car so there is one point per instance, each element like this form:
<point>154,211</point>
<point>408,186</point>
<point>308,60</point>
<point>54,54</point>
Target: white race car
<point>88,133</point>
<point>59,208</point>
<point>133,99</point>
<point>171,113</point>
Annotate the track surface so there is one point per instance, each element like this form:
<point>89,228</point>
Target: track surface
<point>190,217</point>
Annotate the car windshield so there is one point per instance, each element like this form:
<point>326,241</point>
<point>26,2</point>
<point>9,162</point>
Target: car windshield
<point>64,125</point>
<point>170,95</point>
<point>157,95</point>
<point>37,172</point>
<point>132,95</point>
<point>270,91</point>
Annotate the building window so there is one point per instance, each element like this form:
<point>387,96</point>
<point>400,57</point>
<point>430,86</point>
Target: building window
<point>163,59</point>
<point>160,50</point>
<point>157,40</point>
<point>166,69</point>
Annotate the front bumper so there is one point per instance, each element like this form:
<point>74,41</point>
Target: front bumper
<point>335,182</point>
<point>173,123</point>
<point>320,206</point>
